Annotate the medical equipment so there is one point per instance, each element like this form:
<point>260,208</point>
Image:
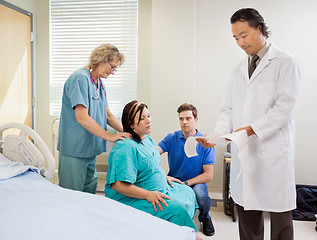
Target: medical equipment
<point>95,82</point>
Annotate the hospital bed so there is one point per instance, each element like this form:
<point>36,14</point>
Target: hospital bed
<point>31,207</point>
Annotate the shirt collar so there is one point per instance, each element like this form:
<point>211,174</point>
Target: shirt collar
<point>180,134</point>
<point>262,52</point>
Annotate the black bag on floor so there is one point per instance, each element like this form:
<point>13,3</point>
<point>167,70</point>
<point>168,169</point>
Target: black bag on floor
<point>306,201</point>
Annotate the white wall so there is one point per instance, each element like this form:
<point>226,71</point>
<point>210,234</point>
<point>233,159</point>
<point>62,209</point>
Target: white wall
<point>193,53</point>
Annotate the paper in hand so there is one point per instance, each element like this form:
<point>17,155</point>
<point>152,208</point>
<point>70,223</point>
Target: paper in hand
<point>190,147</point>
<point>191,143</point>
<point>240,139</point>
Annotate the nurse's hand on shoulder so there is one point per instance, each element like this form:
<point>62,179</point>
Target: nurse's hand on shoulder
<point>119,136</point>
<point>156,198</point>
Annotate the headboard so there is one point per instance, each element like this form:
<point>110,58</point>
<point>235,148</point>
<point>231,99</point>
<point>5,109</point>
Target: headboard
<point>19,148</point>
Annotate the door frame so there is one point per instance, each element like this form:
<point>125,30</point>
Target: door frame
<point>29,14</point>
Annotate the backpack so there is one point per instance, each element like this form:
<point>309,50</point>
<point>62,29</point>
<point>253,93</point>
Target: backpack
<point>306,200</point>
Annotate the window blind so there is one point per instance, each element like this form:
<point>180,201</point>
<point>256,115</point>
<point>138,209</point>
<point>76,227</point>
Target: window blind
<point>77,27</point>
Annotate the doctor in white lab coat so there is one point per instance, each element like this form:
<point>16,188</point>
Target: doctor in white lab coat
<point>263,104</point>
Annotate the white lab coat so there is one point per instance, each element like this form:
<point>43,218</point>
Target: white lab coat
<point>267,103</point>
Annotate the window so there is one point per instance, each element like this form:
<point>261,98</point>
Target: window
<point>79,26</point>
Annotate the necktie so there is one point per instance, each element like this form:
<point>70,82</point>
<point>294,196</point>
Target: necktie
<point>253,65</point>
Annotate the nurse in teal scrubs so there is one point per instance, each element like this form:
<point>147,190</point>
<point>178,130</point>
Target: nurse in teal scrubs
<point>136,178</point>
<point>84,118</point>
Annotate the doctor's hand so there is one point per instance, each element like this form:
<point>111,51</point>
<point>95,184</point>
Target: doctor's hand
<point>203,142</point>
<point>248,129</point>
<point>119,136</point>
<point>156,198</point>
<point>172,179</point>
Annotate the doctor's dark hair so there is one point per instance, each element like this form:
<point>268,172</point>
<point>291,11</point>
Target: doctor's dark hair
<point>187,107</point>
<point>129,112</point>
<point>253,17</point>
<point>105,53</point>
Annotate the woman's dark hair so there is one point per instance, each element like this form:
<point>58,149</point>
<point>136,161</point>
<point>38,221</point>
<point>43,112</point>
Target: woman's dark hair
<point>253,17</point>
<point>128,115</point>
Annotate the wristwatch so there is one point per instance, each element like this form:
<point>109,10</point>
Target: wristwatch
<point>186,183</point>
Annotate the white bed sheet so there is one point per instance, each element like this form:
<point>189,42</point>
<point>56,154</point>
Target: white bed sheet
<point>9,169</point>
<point>31,207</point>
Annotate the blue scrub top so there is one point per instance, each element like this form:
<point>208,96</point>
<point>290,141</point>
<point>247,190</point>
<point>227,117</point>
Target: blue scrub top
<point>73,139</point>
<point>180,166</point>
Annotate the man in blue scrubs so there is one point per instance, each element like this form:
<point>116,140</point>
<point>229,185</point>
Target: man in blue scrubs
<point>84,118</point>
<point>195,171</point>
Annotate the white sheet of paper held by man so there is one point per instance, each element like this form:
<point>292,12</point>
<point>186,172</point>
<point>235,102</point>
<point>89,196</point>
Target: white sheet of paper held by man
<point>240,139</point>
<point>190,147</point>
<point>217,138</point>
<point>212,137</point>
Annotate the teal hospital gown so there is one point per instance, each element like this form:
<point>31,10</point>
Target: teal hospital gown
<point>139,164</point>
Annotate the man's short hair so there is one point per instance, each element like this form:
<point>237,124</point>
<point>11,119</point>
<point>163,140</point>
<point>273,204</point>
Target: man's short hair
<point>187,107</point>
<point>253,17</point>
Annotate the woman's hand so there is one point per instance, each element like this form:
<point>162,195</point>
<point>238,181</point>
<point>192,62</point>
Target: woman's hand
<point>119,136</point>
<point>156,198</point>
<point>172,179</point>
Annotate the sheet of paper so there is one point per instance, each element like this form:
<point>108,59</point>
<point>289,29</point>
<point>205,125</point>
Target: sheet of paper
<point>240,139</point>
<point>217,138</point>
<point>190,147</point>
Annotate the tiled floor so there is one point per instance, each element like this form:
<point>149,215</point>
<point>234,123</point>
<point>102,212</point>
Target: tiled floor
<point>226,229</point>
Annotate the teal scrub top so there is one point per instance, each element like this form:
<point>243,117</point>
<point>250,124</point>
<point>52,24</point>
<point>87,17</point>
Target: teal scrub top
<point>73,139</point>
<point>139,164</point>
<point>135,163</point>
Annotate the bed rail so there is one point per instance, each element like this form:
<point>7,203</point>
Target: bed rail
<point>27,131</point>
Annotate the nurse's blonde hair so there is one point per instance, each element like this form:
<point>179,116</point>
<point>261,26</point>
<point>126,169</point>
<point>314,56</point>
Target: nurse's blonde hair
<point>105,53</point>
